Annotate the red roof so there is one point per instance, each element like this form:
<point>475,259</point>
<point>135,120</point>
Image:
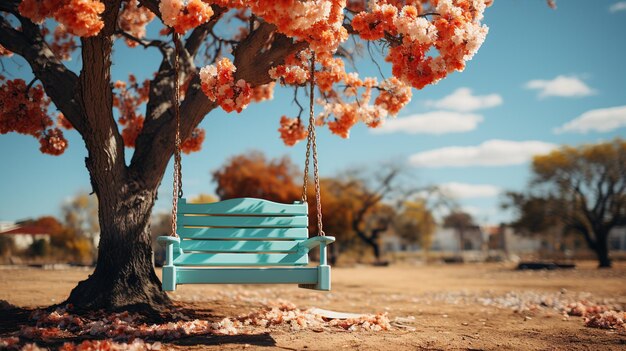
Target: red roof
<point>27,229</point>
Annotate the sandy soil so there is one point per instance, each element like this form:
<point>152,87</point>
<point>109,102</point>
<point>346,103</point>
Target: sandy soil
<point>453,307</point>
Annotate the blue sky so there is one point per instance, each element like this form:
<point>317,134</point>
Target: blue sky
<point>543,78</point>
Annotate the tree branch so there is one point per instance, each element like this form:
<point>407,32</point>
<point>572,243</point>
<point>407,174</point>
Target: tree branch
<point>58,81</point>
<point>199,34</point>
<point>143,42</point>
<point>262,50</point>
<point>155,144</point>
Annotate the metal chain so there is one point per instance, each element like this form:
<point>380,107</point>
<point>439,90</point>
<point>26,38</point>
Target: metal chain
<point>306,164</point>
<point>177,191</point>
<point>311,144</point>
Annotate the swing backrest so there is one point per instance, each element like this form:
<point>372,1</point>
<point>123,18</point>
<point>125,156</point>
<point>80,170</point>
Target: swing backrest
<point>241,232</point>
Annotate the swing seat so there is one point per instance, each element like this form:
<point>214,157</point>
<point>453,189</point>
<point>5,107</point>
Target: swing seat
<point>243,241</point>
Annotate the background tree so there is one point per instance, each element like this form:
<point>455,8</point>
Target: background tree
<point>416,223</point>
<point>80,215</point>
<point>582,189</point>
<point>270,41</point>
<point>252,175</point>
<point>461,222</point>
<point>337,212</point>
<point>376,198</point>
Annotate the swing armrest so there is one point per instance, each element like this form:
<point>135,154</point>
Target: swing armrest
<point>166,240</point>
<point>172,248</point>
<point>316,241</point>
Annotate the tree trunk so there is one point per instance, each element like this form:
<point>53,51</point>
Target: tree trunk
<point>602,250</point>
<point>376,248</point>
<point>124,277</point>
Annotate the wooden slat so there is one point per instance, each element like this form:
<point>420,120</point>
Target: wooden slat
<point>243,233</point>
<point>240,259</point>
<point>239,246</point>
<point>243,206</point>
<point>245,222</point>
<point>301,275</point>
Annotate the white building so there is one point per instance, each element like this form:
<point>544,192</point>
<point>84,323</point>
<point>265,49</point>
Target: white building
<point>24,235</point>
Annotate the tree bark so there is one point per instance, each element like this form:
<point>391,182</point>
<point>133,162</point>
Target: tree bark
<point>124,277</point>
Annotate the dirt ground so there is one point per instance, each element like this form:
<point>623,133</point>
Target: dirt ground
<point>438,307</point>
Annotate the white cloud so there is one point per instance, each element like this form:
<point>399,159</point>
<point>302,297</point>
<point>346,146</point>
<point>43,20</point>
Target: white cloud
<point>462,100</point>
<point>618,6</point>
<point>600,120</point>
<point>563,86</point>
<point>490,153</point>
<point>435,122</point>
<point>469,191</point>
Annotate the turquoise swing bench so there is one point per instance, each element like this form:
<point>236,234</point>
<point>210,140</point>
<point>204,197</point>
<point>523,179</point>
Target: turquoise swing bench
<point>252,241</point>
<point>243,240</point>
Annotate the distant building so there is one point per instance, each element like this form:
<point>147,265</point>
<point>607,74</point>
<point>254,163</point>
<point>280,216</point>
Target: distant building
<point>486,241</point>
<point>444,239</point>
<point>24,235</point>
<point>617,239</point>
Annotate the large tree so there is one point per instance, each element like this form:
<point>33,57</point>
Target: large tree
<point>581,190</point>
<point>249,46</point>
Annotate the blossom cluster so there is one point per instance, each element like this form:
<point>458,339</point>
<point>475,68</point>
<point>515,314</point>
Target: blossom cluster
<point>80,17</point>
<point>194,142</point>
<point>319,22</point>
<point>63,43</point>
<point>455,32</point>
<point>218,83</point>
<point>346,97</point>
<point>341,114</point>
<point>295,69</point>
<point>292,130</point>
<point>127,99</point>
<point>24,110</point>
<point>133,19</point>
<point>263,92</point>
<point>182,17</point>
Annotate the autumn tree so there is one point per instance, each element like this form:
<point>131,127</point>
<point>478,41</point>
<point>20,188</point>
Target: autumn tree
<point>579,189</point>
<point>337,212</point>
<point>253,175</point>
<point>249,46</point>
<point>415,223</point>
<point>377,196</point>
<point>80,217</point>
